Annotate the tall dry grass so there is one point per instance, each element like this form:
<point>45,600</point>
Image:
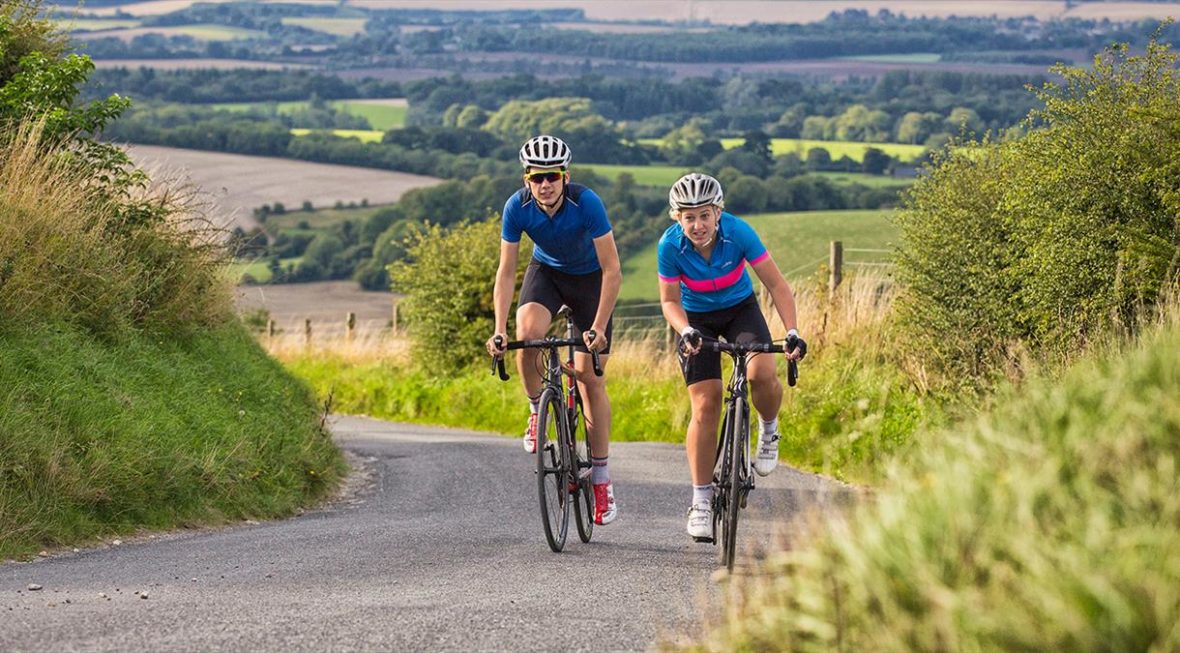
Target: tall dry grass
<point>1051,523</point>
<point>67,252</point>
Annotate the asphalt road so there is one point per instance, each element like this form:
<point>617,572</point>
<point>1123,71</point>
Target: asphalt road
<point>438,547</point>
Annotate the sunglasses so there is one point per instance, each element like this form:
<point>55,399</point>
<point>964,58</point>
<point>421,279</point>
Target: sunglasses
<point>540,177</point>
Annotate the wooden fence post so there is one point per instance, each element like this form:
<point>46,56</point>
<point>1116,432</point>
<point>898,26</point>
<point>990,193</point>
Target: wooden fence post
<point>396,319</point>
<point>349,326</point>
<point>270,329</point>
<point>836,263</point>
<point>307,331</point>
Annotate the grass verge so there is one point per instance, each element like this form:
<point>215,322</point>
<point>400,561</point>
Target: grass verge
<point>101,438</point>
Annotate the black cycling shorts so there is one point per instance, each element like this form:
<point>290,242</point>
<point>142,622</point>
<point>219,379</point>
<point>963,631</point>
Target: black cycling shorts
<point>551,288</point>
<point>742,322</point>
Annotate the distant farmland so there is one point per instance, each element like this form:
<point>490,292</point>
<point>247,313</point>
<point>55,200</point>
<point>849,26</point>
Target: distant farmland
<point>234,185</point>
<point>734,12</point>
<point>191,64</point>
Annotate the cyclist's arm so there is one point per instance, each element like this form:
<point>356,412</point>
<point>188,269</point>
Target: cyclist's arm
<point>780,291</point>
<point>505,286</point>
<point>671,307</point>
<point>612,278</point>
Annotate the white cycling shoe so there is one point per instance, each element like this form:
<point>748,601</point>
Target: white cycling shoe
<point>767,458</point>
<point>700,522</point>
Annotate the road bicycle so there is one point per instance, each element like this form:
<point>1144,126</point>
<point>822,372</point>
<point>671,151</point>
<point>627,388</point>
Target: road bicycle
<point>563,445</point>
<point>733,473</point>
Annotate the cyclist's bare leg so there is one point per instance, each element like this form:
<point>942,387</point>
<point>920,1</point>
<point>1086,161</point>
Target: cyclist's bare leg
<point>595,402</point>
<point>701,441</point>
<point>532,322</point>
<point>766,391</point>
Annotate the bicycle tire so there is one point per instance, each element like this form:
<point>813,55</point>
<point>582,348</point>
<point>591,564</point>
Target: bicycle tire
<point>721,478</point>
<point>584,496</point>
<point>552,471</point>
<point>734,484</point>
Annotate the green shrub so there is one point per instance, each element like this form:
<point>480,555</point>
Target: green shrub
<point>448,283</point>
<point>1043,244</point>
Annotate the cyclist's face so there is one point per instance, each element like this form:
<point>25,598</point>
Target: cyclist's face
<point>699,223</point>
<point>545,183</point>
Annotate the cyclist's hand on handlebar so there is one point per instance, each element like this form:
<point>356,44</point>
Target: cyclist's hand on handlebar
<point>595,340</point>
<point>496,344</point>
<point>690,340</point>
<point>796,346</point>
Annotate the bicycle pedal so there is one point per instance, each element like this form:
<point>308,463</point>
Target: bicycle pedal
<point>704,540</point>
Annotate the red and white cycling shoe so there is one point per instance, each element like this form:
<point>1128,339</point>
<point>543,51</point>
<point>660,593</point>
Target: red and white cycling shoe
<point>605,510</point>
<point>530,434</point>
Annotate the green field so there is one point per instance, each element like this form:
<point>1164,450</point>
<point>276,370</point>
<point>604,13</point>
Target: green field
<point>912,57</point>
<point>872,181</point>
<point>95,24</point>
<point>210,32</point>
<point>653,175</point>
<point>853,150</point>
<point>799,243</point>
<point>258,268</point>
<point>663,175</point>
<point>335,26</point>
<point>381,117</point>
<point>837,149</point>
<point>363,135</point>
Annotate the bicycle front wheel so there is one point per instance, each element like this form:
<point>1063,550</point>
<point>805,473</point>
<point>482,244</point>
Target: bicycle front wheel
<point>737,439</point>
<point>580,488</point>
<point>552,471</point>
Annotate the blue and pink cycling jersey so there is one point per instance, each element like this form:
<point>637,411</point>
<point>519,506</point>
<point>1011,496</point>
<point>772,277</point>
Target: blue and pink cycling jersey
<point>564,242</point>
<point>720,282</point>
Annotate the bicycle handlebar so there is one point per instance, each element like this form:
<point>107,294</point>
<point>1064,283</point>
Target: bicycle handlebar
<point>546,343</point>
<point>739,348</point>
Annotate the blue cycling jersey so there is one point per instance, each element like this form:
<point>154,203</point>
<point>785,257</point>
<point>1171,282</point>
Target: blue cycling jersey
<point>719,282</point>
<point>566,241</point>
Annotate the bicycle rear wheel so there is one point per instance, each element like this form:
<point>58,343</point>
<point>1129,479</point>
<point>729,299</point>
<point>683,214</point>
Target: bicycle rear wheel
<point>552,471</point>
<point>734,484</point>
<point>580,488</point>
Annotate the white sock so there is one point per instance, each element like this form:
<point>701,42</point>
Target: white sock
<point>769,426</point>
<point>534,405</point>
<point>599,471</point>
<point>702,494</point>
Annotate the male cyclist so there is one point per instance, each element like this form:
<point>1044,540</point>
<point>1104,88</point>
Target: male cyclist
<point>706,290</point>
<point>575,263</point>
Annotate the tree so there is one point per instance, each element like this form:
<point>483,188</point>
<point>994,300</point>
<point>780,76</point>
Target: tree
<point>859,123</point>
<point>875,162</point>
<point>758,144</point>
<point>915,127</point>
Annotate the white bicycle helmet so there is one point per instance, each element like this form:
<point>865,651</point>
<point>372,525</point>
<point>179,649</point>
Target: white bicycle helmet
<point>695,189</point>
<point>545,152</point>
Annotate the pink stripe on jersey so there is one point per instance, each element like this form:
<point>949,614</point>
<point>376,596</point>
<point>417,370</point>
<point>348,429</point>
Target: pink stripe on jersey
<point>674,279</point>
<point>760,258</point>
<point>719,283</point>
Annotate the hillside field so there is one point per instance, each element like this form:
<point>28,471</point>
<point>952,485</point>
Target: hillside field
<point>799,243</point>
<point>383,113</point>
